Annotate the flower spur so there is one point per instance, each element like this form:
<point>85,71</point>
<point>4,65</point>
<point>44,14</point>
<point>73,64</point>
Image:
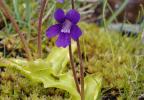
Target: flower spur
<point>66,28</point>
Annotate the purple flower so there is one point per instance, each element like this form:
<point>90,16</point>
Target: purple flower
<point>60,1</point>
<point>66,27</point>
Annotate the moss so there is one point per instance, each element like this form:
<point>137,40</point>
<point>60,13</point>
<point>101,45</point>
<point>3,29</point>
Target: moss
<point>117,58</point>
<point>14,86</point>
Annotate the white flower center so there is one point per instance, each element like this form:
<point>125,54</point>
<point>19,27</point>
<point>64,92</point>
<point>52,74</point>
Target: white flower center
<point>66,26</point>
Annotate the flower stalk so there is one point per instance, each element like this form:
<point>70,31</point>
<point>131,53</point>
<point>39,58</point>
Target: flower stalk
<point>73,69</point>
<point>81,70</point>
<point>6,12</point>
<point>43,4</point>
<point>81,62</point>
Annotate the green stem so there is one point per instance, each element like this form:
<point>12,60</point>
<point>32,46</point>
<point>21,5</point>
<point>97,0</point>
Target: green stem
<point>117,12</point>
<point>6,12</point>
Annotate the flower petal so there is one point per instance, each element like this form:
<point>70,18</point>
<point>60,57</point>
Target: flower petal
<point>60,1</point>
<point>75,32</point>
<point>63,40</point>
<point>53,30</point>
<point>59,15</point>
<point>73,16</point>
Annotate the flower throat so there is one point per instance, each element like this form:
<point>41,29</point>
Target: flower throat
<point>66,26</point>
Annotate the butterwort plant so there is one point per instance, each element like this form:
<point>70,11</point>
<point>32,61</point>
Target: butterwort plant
<point>66,27</point>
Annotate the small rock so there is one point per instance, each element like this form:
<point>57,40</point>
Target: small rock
<point>141,97</point>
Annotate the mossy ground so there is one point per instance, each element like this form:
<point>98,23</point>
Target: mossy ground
<point>14,86</point>
<point>118,59</point>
